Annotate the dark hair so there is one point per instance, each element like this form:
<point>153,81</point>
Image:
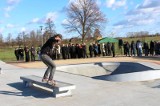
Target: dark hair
<point>58,35</point>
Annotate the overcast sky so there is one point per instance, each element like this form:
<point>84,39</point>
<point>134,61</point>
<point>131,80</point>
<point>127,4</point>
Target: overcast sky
<point>123,16</point>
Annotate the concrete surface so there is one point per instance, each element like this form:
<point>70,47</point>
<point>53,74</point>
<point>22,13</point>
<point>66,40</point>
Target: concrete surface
<point>115,71</point>
<point>89,91</point>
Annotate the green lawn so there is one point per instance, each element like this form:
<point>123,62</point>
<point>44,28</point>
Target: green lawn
<point>7,54</point>
<point>146,39</point>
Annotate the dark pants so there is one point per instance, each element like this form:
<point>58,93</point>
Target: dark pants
<point>27,57</point>
<point>113,53</point>
<point>91,53</point>
<point>32,57</point>
<point>51,66</point>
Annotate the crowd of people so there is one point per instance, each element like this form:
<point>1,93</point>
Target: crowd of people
<point>139,48</point>
<point>72,51</point>
<point>27,54</point>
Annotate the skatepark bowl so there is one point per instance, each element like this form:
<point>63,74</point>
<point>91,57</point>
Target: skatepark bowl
<point>117,71</point>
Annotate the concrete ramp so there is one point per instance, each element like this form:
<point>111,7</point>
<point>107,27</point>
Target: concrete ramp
<point>118,71</point>
<point>90,69</point>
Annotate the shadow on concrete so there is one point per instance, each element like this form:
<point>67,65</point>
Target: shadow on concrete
<point>130,67</point>
<point>124,68</point>
<point>23,91</point>
<point>102,77</point>
<point>158,86</point>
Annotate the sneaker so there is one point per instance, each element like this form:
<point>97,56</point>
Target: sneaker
<point>44,79</point>
<point>51,82</point>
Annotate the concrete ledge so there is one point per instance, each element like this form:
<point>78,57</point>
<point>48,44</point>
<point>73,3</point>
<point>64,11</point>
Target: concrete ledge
<point>60,89</point>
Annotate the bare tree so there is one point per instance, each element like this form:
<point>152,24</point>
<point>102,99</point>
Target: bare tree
<point>1,40</point>
<point>50,28</point>
<point>39,37</point>
<point>33,38</point>
<point>138,34</point>
<point>89,33</point>
<point>97,34</point>
<point>13,42</point>
<point>83,16</point>
<point>25,38</point>
<point>19,40</point>
<point>8,39</point>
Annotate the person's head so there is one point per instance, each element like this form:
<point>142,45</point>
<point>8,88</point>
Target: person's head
<point>58,37</point>
<point>54,39</point>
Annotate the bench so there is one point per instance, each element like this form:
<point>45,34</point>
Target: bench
<point>59,90</point>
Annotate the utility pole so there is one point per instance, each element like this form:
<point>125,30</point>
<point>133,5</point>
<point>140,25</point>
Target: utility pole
<point>41,28</point>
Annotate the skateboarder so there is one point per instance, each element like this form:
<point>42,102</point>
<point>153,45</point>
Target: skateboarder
<point>45,57</point>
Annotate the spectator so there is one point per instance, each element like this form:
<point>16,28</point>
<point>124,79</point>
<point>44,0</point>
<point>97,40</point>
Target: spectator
<point>33,53</point>
<point>58,52</point>
<point>139,48</point>
<point>146,49</point>
<point>27,57</point>
<point>103,49</point>
<point>133,48</point>
<point>91,50</point>
<point>113,49</point>
<point>151,48</point>
<point>16,53</point>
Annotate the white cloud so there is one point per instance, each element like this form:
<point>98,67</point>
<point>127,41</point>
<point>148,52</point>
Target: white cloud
<point>76,2</point>
<point>6,15</point>
<point>114,4</point>
<point>150,4</point>
<point>35,21</point>
<point>145,21</point>
<point>23,29</point>
<point>65,21</point>
<point>10,6</point>
<point>146,13</point>
<point>71,1</point>
<point>110,3</point>
<point>1,21</point>
<point>120,3</point>
<point>51,15</point>
<point>12,2</point>
<point>1,30</point>
<point>98,2</point>
<point>7,10</point>
<point>10,26</point>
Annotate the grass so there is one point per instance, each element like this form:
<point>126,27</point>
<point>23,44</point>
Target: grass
<point>144,39</point>
<point>7,54</point>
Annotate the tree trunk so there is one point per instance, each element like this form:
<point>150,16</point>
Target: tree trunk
<point>83,37</point>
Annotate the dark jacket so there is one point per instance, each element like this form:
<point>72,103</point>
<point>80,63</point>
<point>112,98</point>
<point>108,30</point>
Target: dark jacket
<point>47,47</point>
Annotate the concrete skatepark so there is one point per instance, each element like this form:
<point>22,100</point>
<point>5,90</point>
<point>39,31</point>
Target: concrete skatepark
<point>97,84</point>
